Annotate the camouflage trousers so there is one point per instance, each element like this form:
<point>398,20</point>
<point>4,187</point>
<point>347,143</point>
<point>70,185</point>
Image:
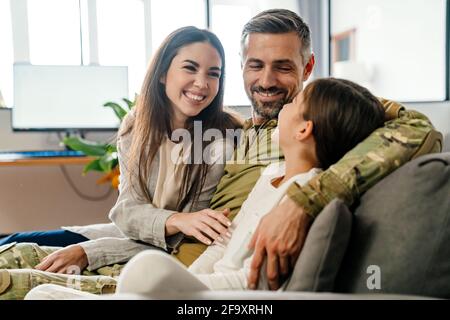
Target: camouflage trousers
<point>17,275</point>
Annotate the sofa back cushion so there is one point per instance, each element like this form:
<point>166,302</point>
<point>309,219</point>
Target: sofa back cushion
<point>324,248</point>
<point>400,240</point>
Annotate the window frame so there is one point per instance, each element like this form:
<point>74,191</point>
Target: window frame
<point>348,34</point>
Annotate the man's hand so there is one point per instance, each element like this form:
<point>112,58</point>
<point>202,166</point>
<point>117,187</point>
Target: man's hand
<point>64,260</point>
<point>280,235</point>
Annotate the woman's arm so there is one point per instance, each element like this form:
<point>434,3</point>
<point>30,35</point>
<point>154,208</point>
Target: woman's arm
<point>106,251</point>
<point>142,221</point>
<point>136,218</point>
<point>213,224</point>
<point>92,255</point>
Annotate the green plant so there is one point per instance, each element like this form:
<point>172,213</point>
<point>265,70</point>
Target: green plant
<point>105,154</point>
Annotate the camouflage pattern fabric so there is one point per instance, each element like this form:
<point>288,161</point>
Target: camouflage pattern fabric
<point>17,275</point>
<point>405,135</point>
<point>23,255</point>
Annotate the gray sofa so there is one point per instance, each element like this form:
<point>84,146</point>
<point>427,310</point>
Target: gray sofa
<point>393,244</point>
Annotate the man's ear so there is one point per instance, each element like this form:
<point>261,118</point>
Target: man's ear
<point>309,67</point>
<point>243,53</point>
<point>305,131</point>
<point>242,57</point>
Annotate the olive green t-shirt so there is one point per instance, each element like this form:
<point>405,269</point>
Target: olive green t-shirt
<point>254,153</point>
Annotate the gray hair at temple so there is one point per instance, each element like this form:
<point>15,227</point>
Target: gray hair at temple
<point>279,21</point>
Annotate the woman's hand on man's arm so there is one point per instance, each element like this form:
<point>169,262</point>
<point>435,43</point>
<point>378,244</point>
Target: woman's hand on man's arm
<point>205,225</point>
<point>71,260</point>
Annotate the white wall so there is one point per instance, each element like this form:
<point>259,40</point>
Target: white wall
<point>39,198</point>
<point>439,115</point>
<point>402,40</point>
<point>270,4</point>
<point>390,36</point>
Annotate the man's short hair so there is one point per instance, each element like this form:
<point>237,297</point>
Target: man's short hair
<point>279,21</point>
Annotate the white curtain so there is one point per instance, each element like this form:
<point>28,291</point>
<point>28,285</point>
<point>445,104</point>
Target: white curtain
<point>315,13</point>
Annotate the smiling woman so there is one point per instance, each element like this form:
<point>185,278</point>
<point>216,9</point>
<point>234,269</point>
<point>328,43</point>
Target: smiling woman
<point>184,84</point>
<point>192,81</point>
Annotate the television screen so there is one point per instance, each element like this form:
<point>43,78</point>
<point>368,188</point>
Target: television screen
<point>60,98</point>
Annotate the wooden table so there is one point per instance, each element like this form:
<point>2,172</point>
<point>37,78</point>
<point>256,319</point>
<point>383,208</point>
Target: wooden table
<point>56,161</point>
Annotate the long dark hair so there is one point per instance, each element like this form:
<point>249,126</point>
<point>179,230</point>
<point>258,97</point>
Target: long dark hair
<point>153,117</point>
<point>343,113</point>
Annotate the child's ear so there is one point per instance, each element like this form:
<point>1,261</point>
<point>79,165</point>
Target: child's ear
<point>305,131</point>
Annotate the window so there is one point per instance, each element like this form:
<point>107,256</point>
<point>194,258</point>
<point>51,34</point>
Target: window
<point>344,46</point>
<point>167,16</point>
<point>54,32</point>
<point>120,33</point>
<point>121,38</point>
<point>397,49</point>
<point>230,35</point>
<point>6,55</point>
<point>125,43</point>
<point>228,18</point>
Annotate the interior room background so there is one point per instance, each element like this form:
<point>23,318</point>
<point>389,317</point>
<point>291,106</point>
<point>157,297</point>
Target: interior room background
<point>397,48</point>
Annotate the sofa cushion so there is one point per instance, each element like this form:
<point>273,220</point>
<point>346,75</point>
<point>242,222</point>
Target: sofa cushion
<point>324,248</point>
<point>401,233</point>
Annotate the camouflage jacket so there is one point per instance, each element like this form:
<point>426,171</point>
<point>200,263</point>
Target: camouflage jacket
<point>406,135</point>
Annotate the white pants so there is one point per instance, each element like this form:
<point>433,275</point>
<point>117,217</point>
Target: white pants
<point>149,272</point>
<point>154,271</point>
<point>55,292</point>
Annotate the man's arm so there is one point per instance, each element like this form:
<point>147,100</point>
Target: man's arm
<point>405,135</point>
<point>408,136</point>
<point>279,236</point>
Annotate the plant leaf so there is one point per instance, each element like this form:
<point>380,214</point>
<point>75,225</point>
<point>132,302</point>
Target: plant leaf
<point>94,165</point>
<point>111,148</point>
<point>107,161</point>
<point>130,104</point>
<point>118,110</point>
<point>87,147</point>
